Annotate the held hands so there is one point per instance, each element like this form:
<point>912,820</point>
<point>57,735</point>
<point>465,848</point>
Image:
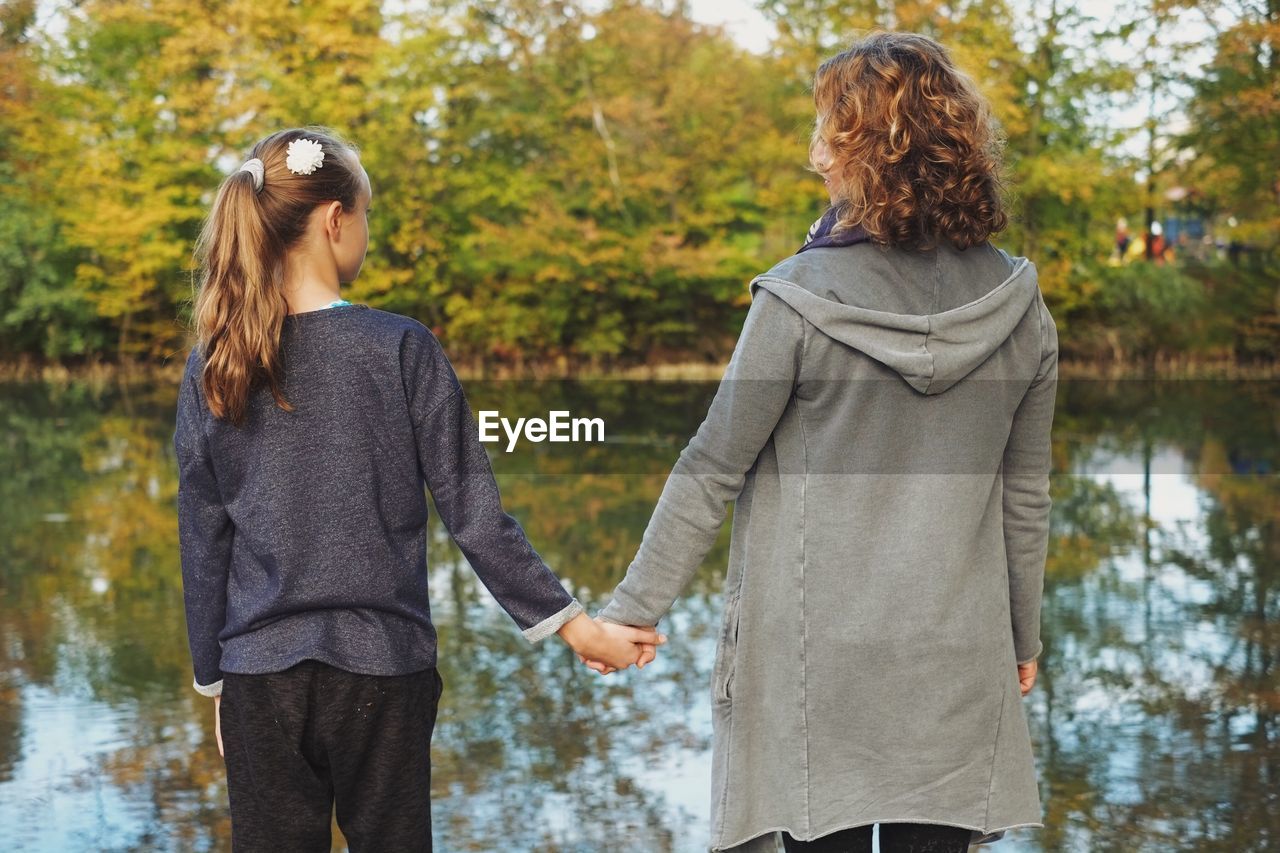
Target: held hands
<point>607,647</point>
<point>648,651</point>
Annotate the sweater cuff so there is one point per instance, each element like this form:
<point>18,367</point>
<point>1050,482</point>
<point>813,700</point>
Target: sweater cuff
<point>624,613</point>
<point>214,689</point>
<point>552,623</point>
<point>1039,651</point>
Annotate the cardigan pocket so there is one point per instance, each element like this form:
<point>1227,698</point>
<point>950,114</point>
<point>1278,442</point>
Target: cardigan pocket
<point>727,651</point>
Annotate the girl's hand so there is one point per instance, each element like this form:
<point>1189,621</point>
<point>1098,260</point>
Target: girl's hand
<point>615,646</point>
<point>217,722</point>
<point>1027,676</point>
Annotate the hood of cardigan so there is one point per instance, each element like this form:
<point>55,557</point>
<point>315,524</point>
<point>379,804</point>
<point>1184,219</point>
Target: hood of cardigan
<point>932,352</point>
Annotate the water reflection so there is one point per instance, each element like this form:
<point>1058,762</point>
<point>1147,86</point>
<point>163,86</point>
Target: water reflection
<point>1155,715</point>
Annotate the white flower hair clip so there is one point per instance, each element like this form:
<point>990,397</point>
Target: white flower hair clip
<point>304,156</point>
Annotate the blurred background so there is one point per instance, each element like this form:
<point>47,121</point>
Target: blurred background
<point>573,196</point>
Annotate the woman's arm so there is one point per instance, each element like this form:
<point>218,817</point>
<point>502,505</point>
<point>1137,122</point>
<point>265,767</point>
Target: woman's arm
<point>712,469</point>
<point>1028,459</point>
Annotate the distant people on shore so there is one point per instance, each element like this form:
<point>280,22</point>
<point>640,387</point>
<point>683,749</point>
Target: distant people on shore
<point>1157,246</point>
<point>1122,239</point>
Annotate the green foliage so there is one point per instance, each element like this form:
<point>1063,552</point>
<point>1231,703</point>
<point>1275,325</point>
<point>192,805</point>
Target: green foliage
<point>1245,305</point>
<point>1150,307</point>
<point>1235,126</point>
<point>551,184</point>
<point>1141,311</point>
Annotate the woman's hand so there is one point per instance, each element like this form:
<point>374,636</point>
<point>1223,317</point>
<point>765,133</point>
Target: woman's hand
<point>217,722</point>
<point>1027,676</point>
<point>610,645</point>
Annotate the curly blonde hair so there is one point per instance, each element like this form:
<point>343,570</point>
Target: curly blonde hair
<point>914,145</point>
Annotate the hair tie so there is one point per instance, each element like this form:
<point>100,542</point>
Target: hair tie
<point>255,167</point>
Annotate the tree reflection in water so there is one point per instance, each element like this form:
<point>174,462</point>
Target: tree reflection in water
<point>1154,716</point>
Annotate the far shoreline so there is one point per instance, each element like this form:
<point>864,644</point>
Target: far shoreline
<point>1174,367</point>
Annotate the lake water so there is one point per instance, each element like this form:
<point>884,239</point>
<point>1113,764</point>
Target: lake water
<point>1156,715</point>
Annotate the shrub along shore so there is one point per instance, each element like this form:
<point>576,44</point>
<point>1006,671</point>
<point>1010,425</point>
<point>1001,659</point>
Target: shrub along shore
<point>1172,366</point>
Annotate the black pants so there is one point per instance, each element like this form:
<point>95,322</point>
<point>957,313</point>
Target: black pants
<point>297,741</point>
<point>894,838</point>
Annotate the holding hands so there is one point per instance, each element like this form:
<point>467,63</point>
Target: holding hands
<point>607,647</point>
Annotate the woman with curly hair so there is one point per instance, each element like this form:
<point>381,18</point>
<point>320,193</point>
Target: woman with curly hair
<point>883,426</point>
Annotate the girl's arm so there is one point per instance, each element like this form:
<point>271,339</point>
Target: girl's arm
<point>456,469</point>
<point>205,534</point>
<point>712,469</point>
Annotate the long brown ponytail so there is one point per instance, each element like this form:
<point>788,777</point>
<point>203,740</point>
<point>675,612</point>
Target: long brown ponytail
<point>240,307</point>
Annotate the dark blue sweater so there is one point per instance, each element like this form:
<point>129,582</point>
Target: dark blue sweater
<point>303,533</point>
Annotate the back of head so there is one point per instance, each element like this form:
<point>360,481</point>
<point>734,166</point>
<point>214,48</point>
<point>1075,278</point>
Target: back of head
<point>913,144</point>
<point>259,212</point>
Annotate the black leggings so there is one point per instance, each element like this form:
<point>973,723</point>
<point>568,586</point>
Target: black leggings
<point>894,838</point>
<point>301,741</point>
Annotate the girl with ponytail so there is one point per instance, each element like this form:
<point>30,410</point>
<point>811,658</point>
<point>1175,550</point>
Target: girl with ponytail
<point>255,245</point>
<point>306,428</point>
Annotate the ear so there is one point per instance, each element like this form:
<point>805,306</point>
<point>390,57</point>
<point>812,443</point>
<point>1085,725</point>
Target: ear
<point>333,219</point>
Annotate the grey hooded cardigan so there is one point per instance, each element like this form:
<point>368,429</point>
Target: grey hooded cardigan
<point>883,426</point>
